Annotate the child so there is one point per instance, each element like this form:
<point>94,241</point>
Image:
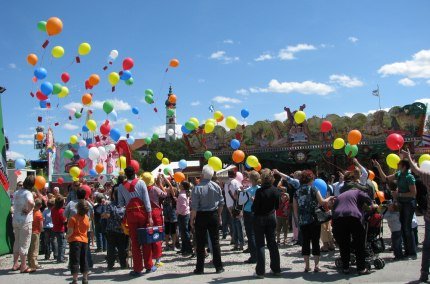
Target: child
<point>33,252</point>
<point>50,244</point>
<point>393,220</point>
<point>58,221</point>
<point>282,217</point>
<point>77,237</point>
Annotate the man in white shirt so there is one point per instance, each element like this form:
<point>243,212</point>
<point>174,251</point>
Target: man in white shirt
<point>231,192</point>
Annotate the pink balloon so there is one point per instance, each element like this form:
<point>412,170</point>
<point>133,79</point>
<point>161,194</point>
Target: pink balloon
<point>239,177</point>
<point>127,64</point>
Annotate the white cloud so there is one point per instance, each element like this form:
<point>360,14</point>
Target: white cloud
<point>26,136</point>
<point>222,56</point>
<point>23,142</point>
<point>280,116</point>
<point>418,67</point>
<point>227,106</point>
<point>119,105</point>
<point>12,155</point>
<point>12,66</point>
<point>70,126</point>
<point>353,39</point>
<point>350,114</point>
<point>222,100</point>
<point>289,52</point>
<point>74,105</point>
<point>306,88</point>
<point>407,82</point>
<point>425,101</point>
<point>195,103</point>
<point>345,81</point>
<point>228,41</point>
<point>264,57</point>
<point>121,121</point>
<point>242,92</point>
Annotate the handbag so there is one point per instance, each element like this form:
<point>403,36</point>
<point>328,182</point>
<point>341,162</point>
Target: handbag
<point>320,214</point>
<point>150,235</point>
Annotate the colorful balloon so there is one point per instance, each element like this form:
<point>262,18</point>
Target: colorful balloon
<point>371,175</point>
<point>99,168</point>
<point>40,136</point>
<point>20,164</point>
<point>174,63</point>
<point>115,134</point>
<point>252,161</point>
<point>149,99</point>
<point>424,157</point>
<point>129,82</point>
<point>135,165</point>
<point>425,166</point>
<point>167,171</point>
<point>130,140</point>
<point>351,150</point>
<point>40,73</point>
<point>87,99</point>
<point>108,107</point>
<point>244,113</point>
<point>57,51</point>
<point>218,116</point>
<point>149,92</point>
<point>148,140</point>
<point>190,126</point>
<point>195,121</point>
<point>54,26</point>
<point>128,127</point>
<point>91,124</point>
<point>40,182</point>
<point>155,137</point>
<point>395,141</point>
<point>94,79</point>
<point>231,122</point>
<point>73,139</point>
<point>127,63</point>
<point>125,75</point>
<point>32,59</point>
<point>182,164</point>
<point>215,163</point>
<point>209,127</point>
<point>299,117</point>
<point>41,26</point>
<point>113,78</point>
<point>258,167</point>
<point>179,177</point>
<point>338,143</point>
<point>207,155</point>
<point>238,156</point>
<point>56,88</point>
<point>321,186</point>
<point>235,144</point>
<point>65,77</point>
<point>135,110</point>
<point>46,88</point>
<point>172,99</point>
<point>170,112</point>
<point>354,137</point>
<point>64,92</point>
<point>94,153</point>
<point>84,48</point>
<point>105,128</point>
<point>159,156</point>
<point>165,161</point>
<point>393,161</point>
<point>326,126</point>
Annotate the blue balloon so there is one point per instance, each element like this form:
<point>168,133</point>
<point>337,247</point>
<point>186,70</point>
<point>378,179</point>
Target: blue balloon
<point>83,152</point>
<point>115,134</point>
<point>321,186</point>
<point>185,130</point>
<point>135,110</point>
<point>244,113</point>
<point>19,164</point>
<point>235,144</point>
<point>92,172</point>
<point>44,104</point>
<point>85,128</point>
<point>46,88</point>
<point>182,164</point>
<point>40,73</point>
<point>125,75</point>
<point>130,140</point>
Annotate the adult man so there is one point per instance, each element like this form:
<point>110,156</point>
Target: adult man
<point>206,208</point>
<point>133,194</point>
<point>425,178</point>
<point>231,193</point>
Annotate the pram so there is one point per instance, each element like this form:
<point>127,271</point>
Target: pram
<point>374,244</point>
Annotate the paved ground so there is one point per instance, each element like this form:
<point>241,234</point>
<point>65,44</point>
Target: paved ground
<point>179,268</point>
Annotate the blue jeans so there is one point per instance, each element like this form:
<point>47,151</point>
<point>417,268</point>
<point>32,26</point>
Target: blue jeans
<point>237,231</point>
<point>100,237</point>
<point>50,244</point>
<point>226,222</point>
<point>396,243</point>
<point>249,229</point>
<point>426,250</point>
<point>183,221</point>
<point>61,243</point>
<point>407,210</point>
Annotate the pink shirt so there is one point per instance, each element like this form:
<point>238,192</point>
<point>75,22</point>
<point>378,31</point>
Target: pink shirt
<point>183,203</point>
<point>155,193</point>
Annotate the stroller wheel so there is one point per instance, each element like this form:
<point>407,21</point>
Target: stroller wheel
<point>379,263</point>
<point>338,263</point>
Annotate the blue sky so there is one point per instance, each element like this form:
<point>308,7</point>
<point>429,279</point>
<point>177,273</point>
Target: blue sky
<point>259,55</point>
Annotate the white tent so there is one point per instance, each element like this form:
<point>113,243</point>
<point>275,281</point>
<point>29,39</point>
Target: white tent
<point>174,166</point>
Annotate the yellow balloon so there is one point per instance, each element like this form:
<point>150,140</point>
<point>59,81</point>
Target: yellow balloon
<point>75,178</point>
<point>57,51</point>
<point>209,127</point>
<point>338,143</point>
<point>159,155</point>
<point>113,78</point>
<point>252,161</point>
<point>64,92</point>
<point>215,163</point>
<point>165,161</point>
<point>211,120</point>
<point>424,157</point>
<point>299,117</point>
<point>217,115</point>
<point>84,48</point>
<point>231,122</point>
<point>195,121</point>
<point>122,162</point>
<point>148,178</point>
<point>73,139</point>
<point>91,124</point>
<point>128,127</point>
<point>75,172</point>
<point>393,160</point>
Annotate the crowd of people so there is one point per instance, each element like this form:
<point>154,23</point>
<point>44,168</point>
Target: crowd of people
<point>259,207</point>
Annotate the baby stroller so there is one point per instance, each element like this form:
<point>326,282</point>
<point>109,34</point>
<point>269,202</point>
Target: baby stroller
<point>374,244</point>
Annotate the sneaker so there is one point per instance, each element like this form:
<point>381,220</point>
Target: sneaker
<point>258,276</point>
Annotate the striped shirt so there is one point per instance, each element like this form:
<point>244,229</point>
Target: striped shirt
<point>140,191</point>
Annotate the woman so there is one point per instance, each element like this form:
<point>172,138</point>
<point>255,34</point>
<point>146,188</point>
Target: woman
<point>265,204</point>
<point>183,212</point>
<point>169,212</point>
<point>306,200</point>
<point>248,216</point>
<point>406,199</point>
<point>348,223</point>
<point>22,224</point>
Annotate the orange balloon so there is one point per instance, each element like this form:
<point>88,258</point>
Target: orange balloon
<point>258,168</point>
<point>381,196</point>
<point>40,182</point>
<point>100,168</point>
<point>32,59</point>
<point>87,99</point>
<point>371,175</point>
<point>174,63</point>
<point>179,177</point>
<point>172,99</point>
<point>221,118</point>
<point>354,137</point>
<point>39,136</point>
<point>54,26</point>
<point>238,156</point>
<point>94,79</point>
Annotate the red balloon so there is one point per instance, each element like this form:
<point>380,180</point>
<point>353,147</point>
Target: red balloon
<point>105,128</point>
<point>60,180</point>
<point>127,64</point>
<point>395,142</point>
<point>82,163</point>
<point>65,77</point>
<point>326,126</point>
<point>88,85</point>
<point>40,96</point>
<point>87,190</point>
<point>135,165</point>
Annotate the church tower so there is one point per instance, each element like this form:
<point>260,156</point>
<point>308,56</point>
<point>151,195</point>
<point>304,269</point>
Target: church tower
<point>170,116</point>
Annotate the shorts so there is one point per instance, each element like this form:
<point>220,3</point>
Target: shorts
<point>170,228</point>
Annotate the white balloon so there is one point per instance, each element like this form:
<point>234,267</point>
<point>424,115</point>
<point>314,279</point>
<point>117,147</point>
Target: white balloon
<point>114,115</point>
<point>170,132</point>
<point>113,54</point>
<point>72,111</point>
<point>102,152</point>
<point>93,153</point>
<point>425,166</point>
<point>110,147</point>
<point>82,143</point>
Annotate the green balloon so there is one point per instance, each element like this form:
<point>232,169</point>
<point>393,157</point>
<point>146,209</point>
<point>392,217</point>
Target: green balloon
<point>57,88</point>
<point>108,107</point>
<point>155,137</point>
<point>208,155</point>
<point>170,112</point>
<point>129,82</point>
<point>167,171</point>
<point>41,26</point>
<point>190,126</point>
<point>78,115</point>
<point>149,99</point>
<point>351,150</point>
<point>68,154</point>
<point>148,140</point>
<point>149,92</point>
